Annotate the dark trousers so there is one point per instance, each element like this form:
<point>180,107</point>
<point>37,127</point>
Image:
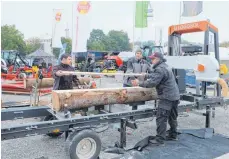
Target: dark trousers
<point>126,85</point>
<point>167,111</point>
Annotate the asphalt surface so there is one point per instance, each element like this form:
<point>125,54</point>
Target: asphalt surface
<point>44,147</point>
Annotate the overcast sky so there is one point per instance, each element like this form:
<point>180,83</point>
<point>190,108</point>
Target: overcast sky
<point>35,18</point>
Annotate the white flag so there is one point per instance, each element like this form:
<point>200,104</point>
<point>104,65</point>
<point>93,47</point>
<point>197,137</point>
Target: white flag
<point>81,25</point>
<point>192,8</point>
<point>57,28</point>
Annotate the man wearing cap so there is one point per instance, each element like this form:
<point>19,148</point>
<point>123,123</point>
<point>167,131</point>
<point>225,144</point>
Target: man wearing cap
<point>136,65</point>
<point>163,79</point>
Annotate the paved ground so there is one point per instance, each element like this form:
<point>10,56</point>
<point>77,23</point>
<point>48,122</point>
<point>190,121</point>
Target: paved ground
<point>43,147</point>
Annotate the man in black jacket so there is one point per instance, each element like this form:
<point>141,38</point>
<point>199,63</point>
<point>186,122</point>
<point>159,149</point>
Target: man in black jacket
<point>163,79</point>
<point>63,82</point>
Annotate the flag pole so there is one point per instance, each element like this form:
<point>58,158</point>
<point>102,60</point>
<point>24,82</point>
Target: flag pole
<point>72,54</point>
<point>180,12</point>
<point>133,24</point>
<point>77,29</point>
<point>72,23</point>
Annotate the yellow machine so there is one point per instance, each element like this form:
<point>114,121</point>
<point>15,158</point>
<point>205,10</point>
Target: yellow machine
<point>223,69</point>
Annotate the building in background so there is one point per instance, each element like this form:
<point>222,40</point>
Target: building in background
<point>45,41</point>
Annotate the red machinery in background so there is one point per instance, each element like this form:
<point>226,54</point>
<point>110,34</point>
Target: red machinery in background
<point>14,69</point>
<point>112,63</point>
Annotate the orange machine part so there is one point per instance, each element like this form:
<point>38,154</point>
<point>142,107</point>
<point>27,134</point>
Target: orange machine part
<point>201,68</point>
<point>118,60</point>
<point>191,27</point>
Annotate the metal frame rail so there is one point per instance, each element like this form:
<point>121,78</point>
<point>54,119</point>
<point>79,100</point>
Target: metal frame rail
<point>45,127</point>
<point>64,123</point>
<point>74,127</point>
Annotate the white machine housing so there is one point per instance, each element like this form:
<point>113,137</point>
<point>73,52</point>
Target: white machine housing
<point>211,65</point>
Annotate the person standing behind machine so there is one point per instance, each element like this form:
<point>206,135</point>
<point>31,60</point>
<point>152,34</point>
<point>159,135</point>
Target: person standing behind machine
<point>62,81</point>
<point>136,65</point>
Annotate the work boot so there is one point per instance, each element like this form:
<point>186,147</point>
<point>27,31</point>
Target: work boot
<point>171,137</point>
<point>157,141</point>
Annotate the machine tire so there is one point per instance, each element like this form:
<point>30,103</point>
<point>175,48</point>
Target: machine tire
<point>22,75</point>
<point>74,144</point>
<point>53,135</point>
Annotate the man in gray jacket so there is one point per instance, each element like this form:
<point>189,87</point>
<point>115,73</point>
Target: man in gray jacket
<point>63,82</point>
<point>136,65</point>
<point>163,79</point>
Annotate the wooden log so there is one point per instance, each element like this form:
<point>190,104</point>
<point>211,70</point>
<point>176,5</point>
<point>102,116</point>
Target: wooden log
<point>84,98</point>
<point>44,83</point>
<point>48,82</point>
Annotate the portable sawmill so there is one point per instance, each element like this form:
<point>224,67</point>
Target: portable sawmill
<point>68,113</point>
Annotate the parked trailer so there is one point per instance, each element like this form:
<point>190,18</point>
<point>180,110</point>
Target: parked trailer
<point>78,130</point>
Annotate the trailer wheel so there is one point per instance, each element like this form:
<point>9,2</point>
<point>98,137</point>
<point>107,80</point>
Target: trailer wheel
<point>83,144</point>
<point>52,134</point>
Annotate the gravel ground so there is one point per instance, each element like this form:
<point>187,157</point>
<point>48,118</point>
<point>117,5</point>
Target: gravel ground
<point>43,147</point>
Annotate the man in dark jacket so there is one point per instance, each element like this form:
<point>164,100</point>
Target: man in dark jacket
<point>163,79</point>
<point>136,65</point>
<point>63,82</point>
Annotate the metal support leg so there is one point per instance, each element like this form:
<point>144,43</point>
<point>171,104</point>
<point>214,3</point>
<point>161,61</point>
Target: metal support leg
<point>66,135</point>
<point>197,87</point>
<point>123,133</point>
<point>67,113</point>
<point>109,107</point>
<point>208,113</point>
<point>213,112</point>
<point>135,107</point>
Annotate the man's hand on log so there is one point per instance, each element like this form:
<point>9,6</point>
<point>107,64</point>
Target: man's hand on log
<point>60,73</point>
<point>144,74</point>
<point>135,82</point>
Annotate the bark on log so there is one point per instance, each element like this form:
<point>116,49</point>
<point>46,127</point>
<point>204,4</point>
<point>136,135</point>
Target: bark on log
<point>48,82</point>
<point>44,83</point>
<point>84,98</point>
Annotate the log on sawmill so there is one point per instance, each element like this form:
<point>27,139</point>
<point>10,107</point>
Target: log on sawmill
<point>84,98</point>
<point>48,82</point>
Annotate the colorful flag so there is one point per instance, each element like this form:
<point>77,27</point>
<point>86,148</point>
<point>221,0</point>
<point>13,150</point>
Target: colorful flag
<point>141,14</point>
<point>57,27</point>
<point>192,8</point>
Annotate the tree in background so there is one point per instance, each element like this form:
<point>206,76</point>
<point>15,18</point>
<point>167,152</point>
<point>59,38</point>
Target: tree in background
<point>118,41</point>
<point>224,44</point>
<point>56,52</point>
<point>32,45</point>
<point>150,43</point>
<point>139,44</point>
<point>12,39</point>
<point>113,41</point>
<point>97,40</point>
<point>68,41</point>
